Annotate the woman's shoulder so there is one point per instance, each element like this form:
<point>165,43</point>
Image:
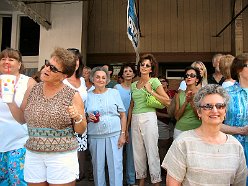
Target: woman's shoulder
<point>69,89</point>
<point>134,84</point>
<point>186,136</point>
<point>154,79</point>
<point>118,86</point>
<point>112,91</point>
<point>232,140</point>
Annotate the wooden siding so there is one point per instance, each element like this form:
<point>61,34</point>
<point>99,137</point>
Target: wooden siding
<point>245,26</point>
<point>166,26</point>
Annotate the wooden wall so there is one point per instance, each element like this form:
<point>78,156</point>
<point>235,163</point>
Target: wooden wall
<point>166,26</point>
<point>245,26</point>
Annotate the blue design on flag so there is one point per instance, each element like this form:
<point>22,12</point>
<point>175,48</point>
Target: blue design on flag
<point>133,25</point>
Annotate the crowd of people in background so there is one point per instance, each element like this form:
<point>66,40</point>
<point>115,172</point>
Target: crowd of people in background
<point>68,112</point>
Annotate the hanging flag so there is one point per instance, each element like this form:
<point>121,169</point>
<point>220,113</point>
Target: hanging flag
<point>133,31</point>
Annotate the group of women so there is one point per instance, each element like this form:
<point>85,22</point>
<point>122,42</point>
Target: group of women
<point>214,151</point>
<point>60,105</point>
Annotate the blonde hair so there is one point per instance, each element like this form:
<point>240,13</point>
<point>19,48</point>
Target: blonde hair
<point>225,65</point>
<point>205,74</point>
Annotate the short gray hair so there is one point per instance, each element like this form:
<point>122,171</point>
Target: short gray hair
<point>99,68</point>
<point>208,90</point>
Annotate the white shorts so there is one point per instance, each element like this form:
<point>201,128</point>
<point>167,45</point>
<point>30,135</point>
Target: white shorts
<point>54,168</point>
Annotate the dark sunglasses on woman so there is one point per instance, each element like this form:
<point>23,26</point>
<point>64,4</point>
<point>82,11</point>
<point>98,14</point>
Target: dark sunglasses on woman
<point>52,67</point>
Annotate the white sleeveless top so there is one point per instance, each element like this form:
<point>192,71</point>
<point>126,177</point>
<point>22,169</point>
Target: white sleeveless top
<point>13,135</point>
<point>83,93</point>
<point>82,89</point>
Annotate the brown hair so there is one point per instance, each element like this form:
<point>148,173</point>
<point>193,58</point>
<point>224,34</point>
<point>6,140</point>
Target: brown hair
<point>15,54</point>
<point>238,65</point>
<point>225,64</point>
<point>66,59</point>
<point>154,64</point>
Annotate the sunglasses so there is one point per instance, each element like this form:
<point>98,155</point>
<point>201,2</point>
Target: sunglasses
<point>189,75</point>
<point>73,50</point>
<point>52,67</point>
<point>245,65</point>
<point>145,65</point>
<point>218,106</point>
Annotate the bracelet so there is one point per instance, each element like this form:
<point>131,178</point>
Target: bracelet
<point>81,118</point>
<point>152,92</point>
<point>122,132</point>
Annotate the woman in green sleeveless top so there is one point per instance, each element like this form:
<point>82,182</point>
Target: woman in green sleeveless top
<point>185,112</point>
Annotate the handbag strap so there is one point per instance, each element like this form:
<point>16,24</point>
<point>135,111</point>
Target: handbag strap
<point>144,90</point>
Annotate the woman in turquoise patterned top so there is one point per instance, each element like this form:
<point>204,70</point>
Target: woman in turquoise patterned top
<point>143,120</point>
<point>236,121</point>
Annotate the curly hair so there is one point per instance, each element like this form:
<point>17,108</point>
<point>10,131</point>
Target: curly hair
<point>99,68</point>
<point>66,59</point>
<point>208,90</point>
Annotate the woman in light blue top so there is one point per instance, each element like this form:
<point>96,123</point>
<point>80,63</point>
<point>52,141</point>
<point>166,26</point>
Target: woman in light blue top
<point>127,74</point>
<point>106,129</point>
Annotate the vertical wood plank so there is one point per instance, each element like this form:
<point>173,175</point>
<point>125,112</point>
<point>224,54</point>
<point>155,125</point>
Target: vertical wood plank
<point>206,26</point>
<point>110,27</point>
<point>186,26</point>
<point>173,26</point>
<point>124,41</point>
<point>199,25</point>
<point>213,24</point>
<point>245,27</point>
<point>103,26</point>
<point>147,26</point>
<point>167,26</point>
<point>219,24</point>
<point>115,30</point>
<point>91,29</point>
<point>98,25</point>
<point>160,26</point>
<point>227,12</point>
<point>142,21</point>
<point>154,26</point>
<point>193,27</point>
<point>180,27</point>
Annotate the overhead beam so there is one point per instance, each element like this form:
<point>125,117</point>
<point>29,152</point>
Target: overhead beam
<point>34,15</point>
<point>232,20</point>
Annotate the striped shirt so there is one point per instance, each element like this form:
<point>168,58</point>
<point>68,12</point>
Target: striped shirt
<point>192,161</point>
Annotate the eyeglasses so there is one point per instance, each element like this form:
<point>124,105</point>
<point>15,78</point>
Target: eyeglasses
<point>145,65</point>
<point>208,106</point>
<point>52,67</point>
<point>162,81</point>
<point>189,75</point>
<point>245,65</point>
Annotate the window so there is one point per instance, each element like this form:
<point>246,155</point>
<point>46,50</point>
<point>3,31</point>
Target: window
<point>29,37</point>
<point>174,73</point>
<point>6,28</point>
